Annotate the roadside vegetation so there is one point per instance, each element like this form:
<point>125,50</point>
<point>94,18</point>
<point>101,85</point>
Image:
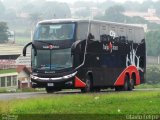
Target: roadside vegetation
<point>7,71</point>
<point>113,103</point>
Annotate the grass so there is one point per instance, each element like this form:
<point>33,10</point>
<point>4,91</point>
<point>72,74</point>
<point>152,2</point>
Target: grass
<point>143,86</point>
<point>3,90</point>
<point>7,71</point>
<point>11,90</point>
<point>114,103</point>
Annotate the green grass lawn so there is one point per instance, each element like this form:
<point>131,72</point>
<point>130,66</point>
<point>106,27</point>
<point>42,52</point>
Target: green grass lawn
<point>143,86</point>
<point>114,103</point>
<point>7,71</point>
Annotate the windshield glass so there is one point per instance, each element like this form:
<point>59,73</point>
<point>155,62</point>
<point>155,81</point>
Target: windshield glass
<point>52,59</point>
<point>55,31</point>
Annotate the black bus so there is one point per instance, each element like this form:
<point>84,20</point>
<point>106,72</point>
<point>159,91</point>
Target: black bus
<point>87,54</point>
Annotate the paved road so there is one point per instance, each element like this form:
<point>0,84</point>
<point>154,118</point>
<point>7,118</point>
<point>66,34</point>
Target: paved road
<point>24,95</point>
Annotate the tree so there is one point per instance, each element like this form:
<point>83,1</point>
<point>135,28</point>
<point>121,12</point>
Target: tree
<point>85,12</point>
<point>51,10</point>
<point>117,9</point>
<point>114,14</point>
<point>153,42</point>
<point>3,32</point>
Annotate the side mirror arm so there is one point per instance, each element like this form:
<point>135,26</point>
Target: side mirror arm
<point>25,49</point>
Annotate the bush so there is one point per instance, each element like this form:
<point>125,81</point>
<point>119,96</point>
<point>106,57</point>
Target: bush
<point>3,32</point>
<point>153,75</point>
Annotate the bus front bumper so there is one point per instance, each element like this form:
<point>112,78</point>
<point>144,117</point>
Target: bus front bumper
<point>67,81</point>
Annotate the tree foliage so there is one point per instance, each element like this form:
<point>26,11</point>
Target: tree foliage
<point>3,32</point>
<point>152,76</point>
<point>85,12</point>
<point>114,14</point>
<point>47,9</point>
<point>153,43</point>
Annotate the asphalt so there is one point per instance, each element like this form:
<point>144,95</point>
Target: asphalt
<point>25,95</point>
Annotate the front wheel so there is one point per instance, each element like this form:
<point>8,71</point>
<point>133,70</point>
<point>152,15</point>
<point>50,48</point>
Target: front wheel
<point>51,90</point>
<point>89,85</point>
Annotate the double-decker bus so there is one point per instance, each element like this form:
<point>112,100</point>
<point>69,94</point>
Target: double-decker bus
<point>87,54</point>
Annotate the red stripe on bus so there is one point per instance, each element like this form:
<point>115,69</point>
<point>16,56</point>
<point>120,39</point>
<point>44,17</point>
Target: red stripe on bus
<point>79,83</point>
<point>130,70</point>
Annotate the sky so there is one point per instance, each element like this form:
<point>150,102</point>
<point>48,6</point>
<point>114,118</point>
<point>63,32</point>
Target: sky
<point>71,1</point>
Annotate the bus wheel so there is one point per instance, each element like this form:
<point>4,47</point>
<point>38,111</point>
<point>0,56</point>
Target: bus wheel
<point>89,85</point>
<point>50,90</point>
<point>96,89</point>
<point>126,83</point>
<point>131,85</point>
<point>118,88</point>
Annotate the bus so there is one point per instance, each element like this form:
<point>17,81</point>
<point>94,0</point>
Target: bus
<point>89,55</point>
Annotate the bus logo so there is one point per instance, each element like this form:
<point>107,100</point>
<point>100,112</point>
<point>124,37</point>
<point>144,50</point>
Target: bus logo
<point>110,47</point>
<point>51,47</point>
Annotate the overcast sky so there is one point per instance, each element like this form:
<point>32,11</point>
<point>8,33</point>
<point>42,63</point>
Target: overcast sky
<point>71,1</point>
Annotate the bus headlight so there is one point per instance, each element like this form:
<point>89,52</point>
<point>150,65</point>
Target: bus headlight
<point>34,77</point>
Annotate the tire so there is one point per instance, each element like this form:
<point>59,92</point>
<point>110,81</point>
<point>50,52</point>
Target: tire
<point>96,89</point>
<point>127,85</point>
<point>131,85</point>
<point>89,85</point>
<point>51,90</point>
<point>118,88</point>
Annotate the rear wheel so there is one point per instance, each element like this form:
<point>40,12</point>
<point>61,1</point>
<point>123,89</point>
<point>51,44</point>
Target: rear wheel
<point>96,89</point>
<point>131,85</point>
<point>125,87</point>
<point>89,85</point>
<point>126,83</point>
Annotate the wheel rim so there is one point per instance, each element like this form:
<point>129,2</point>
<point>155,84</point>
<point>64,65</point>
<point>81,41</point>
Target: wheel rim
<point>131,84</point>
<point>126,84</point>
<point>88,84</point>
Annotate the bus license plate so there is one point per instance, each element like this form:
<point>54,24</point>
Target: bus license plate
<point>50,84</point>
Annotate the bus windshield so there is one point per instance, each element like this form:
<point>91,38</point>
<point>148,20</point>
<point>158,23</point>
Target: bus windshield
<point>50,31</point>
<point>53,60</point>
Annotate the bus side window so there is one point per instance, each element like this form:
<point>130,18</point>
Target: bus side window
<point>104,36</point>
<point>122,31</point>
<point>130,33</point>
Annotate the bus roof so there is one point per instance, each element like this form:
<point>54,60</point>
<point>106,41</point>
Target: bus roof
<point>86,20</point>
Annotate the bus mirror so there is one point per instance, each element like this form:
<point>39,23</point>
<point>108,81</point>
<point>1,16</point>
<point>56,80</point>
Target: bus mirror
<point>24,52</point>
<point>25,48</point>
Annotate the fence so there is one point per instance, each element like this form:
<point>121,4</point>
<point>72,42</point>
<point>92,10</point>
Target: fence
<point>7,64</point>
